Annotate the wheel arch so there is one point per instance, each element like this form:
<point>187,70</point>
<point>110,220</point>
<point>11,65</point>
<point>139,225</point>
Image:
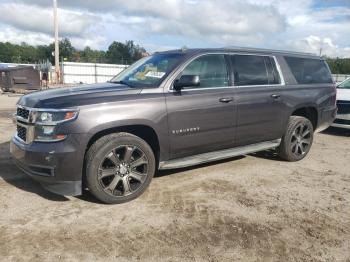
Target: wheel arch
<point>145,132</point>
<point>308,111</point>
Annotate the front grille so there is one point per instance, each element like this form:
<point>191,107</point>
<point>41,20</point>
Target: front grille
<point>343,107</point>
<point>23,113</point>
<point>22,133</point>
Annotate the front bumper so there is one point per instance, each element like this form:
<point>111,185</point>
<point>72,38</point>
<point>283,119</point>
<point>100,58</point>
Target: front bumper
<point>342,121</point>
<point>57,166</point>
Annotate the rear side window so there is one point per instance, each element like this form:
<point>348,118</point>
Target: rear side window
<point>309,71</point>
<point>254,70</point>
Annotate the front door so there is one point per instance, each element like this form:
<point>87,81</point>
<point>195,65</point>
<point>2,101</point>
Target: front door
<point>201,118</point>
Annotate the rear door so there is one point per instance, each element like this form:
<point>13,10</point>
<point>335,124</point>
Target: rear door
<point>258,98</point>
<point>201,119</point>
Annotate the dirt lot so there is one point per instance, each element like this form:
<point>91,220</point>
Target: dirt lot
<point>251,208</point>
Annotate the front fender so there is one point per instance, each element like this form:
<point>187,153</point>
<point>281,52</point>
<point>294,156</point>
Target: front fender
<point>149,112</point>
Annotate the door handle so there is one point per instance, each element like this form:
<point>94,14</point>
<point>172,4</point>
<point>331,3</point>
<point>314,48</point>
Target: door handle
<point>226,99</point>
<point>275,96</point>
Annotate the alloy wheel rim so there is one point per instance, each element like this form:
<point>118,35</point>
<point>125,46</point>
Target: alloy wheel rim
<point>301,140</point>
<point>123,170</point>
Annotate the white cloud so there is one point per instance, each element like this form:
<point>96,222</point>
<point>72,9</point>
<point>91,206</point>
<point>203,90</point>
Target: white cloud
<point>226,22</point>
<point>13,35</point>
<point>216,21</point>
<point>316,45</point>
<point>38,19</point>
<point>16,36</point>
<point>288,24</point>
<point>93,42</point>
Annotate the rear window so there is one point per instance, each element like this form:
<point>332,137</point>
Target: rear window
<point>309,71</point>
<point>254,70</point>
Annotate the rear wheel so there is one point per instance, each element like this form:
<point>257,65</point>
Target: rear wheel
<point>119,168</point>
<point>297,140</point>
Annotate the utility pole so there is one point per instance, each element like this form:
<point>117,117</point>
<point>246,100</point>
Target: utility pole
<point>57,50</point>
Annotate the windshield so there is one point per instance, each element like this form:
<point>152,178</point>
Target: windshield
<point>345,84</point>
<point>148,71</point>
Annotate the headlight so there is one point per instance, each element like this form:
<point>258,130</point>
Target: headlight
<point>53,118</point>
<point>46,124</point>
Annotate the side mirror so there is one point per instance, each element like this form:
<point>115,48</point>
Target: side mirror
<point>186,81</point>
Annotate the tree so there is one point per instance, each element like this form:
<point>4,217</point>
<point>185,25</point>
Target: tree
<point>119,53</point>
<point>93,56</point>
<point>44,52</point>
<point>66,50</point>
<point>339,65</point>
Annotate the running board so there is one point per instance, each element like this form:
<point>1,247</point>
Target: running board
<point>218,155</point>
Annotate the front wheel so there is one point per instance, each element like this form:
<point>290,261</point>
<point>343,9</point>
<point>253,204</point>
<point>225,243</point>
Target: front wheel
<point>119,168</point>
<point>297,140</point>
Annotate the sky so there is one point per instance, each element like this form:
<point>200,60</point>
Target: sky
<point>298,25</point>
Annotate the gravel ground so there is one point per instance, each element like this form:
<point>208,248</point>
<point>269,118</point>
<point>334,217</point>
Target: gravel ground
<point>250,208</point>
<point>8,100</point>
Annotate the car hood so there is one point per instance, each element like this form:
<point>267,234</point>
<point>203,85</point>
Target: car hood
<point>77,96</point>
<point>343,94</point>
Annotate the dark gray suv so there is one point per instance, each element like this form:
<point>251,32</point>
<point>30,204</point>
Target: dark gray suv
<point>170,110</point>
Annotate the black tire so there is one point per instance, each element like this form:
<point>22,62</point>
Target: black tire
<point>112,174</point>
<point>297,140</point>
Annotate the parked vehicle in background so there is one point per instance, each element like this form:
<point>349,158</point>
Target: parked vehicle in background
<point>171,110</point>
<point>343,103</point>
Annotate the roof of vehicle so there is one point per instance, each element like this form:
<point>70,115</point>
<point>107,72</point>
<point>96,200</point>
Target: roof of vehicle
<point>9,69</point>
<point>241,50</point>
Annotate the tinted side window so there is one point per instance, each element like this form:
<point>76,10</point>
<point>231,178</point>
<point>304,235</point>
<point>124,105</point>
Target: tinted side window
<point>249,70</point>
<point>211,69</point>
<point>309,71</point>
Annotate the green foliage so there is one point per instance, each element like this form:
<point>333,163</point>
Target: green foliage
<point>117,53</point>
<point>339,65</point>
<point>89,55</point>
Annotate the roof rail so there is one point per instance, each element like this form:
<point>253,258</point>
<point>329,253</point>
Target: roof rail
<point>269,50</point>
